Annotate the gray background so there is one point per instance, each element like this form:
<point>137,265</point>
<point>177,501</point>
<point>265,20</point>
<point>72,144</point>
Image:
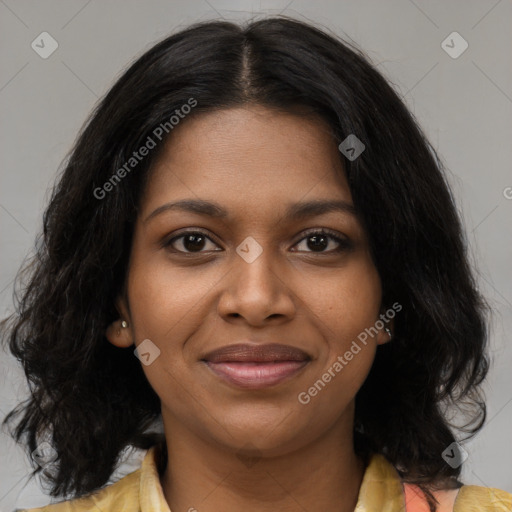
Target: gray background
<point>463,104</point>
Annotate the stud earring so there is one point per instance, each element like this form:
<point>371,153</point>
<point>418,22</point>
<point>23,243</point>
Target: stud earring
<point>124,325</point>
<point>388,332</point>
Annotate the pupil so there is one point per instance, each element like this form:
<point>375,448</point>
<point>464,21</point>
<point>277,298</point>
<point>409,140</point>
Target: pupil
<point>193,242</point>
<point>317,242</point>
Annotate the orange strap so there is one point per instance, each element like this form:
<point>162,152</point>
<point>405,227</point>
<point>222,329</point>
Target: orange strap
<point>415,500</point>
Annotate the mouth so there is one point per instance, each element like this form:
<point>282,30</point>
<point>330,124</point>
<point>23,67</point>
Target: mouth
<point>256,366</point>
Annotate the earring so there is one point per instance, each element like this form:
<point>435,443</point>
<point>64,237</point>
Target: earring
<point>388,332</point>
<point>124,325</point>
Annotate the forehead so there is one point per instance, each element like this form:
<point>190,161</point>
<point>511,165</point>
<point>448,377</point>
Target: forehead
<point>248,155</point>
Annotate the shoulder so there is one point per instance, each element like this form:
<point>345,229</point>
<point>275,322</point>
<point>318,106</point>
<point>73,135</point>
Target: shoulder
<point>482,499</point>
<point>121,496</point>
<point>468,498</point>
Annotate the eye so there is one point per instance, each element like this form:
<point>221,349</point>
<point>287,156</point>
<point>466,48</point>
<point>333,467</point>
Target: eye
<point>190,242</point>
<point>318,240</point>
<point>321,239</point>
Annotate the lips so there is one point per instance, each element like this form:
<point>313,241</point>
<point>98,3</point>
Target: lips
<point>256,366</point>
<point>243,352</point>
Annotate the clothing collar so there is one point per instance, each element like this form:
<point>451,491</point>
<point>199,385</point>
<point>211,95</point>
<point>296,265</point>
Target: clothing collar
<point>151,494</point>
<point>381,489</point>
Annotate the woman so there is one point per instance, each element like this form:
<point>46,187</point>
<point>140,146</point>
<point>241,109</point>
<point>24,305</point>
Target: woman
<point>253,213</point>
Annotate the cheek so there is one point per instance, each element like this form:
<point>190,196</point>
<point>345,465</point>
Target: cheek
<point>347,302</point>
<point>168,306</point>
<point>345,308</point>
<point>165,301</point>
<point>336,387</point>
<point>350,306</point>
<point>164,309</point>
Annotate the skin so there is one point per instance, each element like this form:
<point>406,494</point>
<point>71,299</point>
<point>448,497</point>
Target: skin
<point>230,448</point>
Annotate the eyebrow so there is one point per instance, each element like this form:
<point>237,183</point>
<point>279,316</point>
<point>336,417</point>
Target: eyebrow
<point>294,211</point>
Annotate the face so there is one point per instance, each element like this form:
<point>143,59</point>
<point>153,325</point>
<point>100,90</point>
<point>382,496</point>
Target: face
<point>246,261</point>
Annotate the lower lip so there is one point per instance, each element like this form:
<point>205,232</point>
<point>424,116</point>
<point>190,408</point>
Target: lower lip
<point>256,375</point>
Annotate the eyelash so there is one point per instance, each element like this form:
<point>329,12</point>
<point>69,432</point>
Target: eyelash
<point>343,244</point>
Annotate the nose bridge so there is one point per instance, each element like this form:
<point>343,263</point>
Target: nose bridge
<point>255,289</point>
<point>254,265</point>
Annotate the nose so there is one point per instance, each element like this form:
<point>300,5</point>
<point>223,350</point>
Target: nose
<point>256,291</point>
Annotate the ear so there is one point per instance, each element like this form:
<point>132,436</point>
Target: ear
<point>388,327</point>
<point>117,334</point>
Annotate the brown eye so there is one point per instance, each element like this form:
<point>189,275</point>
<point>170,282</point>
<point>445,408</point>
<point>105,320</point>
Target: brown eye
<point>319,241</point>
<point>190,242</point>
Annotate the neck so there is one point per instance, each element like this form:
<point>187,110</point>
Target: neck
<point>325,474</point>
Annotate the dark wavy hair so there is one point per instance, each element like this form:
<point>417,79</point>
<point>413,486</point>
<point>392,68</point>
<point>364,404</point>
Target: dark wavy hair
<point>90,397</point>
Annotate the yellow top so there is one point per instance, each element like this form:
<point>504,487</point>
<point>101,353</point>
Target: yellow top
<point>381,491</point>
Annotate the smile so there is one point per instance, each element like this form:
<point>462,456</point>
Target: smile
<point>256,375</point>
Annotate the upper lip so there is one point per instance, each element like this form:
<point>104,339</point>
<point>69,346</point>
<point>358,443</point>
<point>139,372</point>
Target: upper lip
<point>245,352</point>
